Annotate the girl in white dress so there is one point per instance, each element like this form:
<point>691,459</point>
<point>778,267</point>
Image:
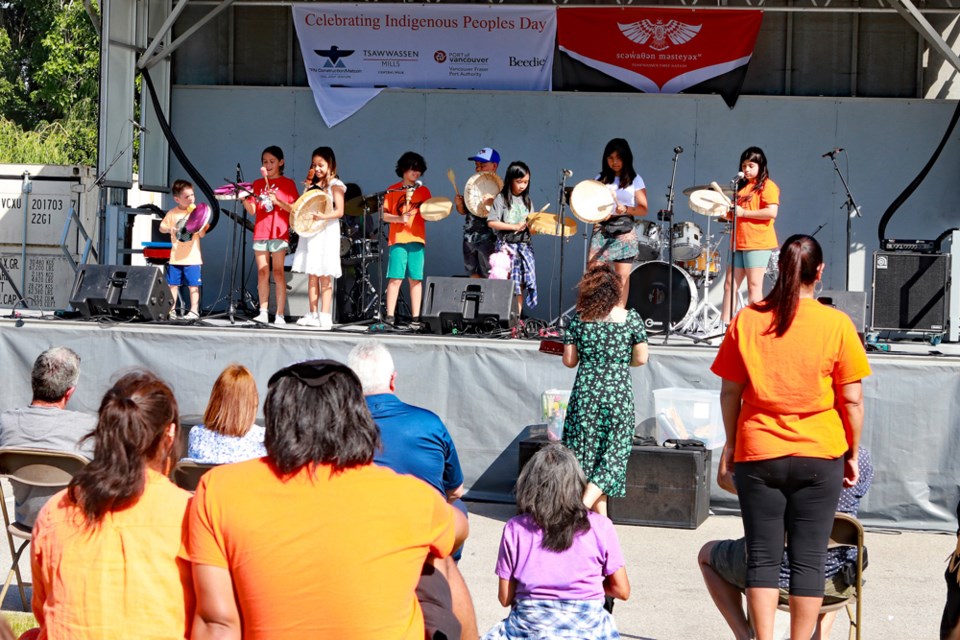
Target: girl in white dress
<point>319,255</point>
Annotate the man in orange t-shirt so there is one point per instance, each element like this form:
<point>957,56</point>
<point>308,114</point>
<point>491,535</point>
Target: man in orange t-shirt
<point>314,541</point>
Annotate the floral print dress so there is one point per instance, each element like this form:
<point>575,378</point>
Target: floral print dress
<point>599,425</point>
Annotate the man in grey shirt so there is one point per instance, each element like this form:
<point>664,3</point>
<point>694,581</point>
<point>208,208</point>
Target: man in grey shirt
<point>46,423</point>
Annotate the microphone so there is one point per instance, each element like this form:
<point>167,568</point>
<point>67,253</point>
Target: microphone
<point>678,149</point>
<point>137,125</point>
<point>738,177</point>
<point>830,154</point>
<point>416,185</point>
<point>567,173</point>
<point>238,172</point>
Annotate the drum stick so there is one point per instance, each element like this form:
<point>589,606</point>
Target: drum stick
<point>453,180</point>
<point>544,208</point>
<point>263,172</point>
<point>716,187</point>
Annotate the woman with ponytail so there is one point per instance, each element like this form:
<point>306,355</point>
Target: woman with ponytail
<point>792,403</point>
<point>104,550</point>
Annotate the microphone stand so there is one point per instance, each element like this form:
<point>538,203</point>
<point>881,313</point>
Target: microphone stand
<point>666,215</point>
<point>559,323</point>
<point>852,208</point>
<point>733,247</point>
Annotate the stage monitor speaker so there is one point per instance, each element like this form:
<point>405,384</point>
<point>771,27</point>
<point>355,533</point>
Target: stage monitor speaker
<point>852,303</point>
<point>665,487</point>
<point>910,291</point>
<point>121,292</point>
<point>453,304</point>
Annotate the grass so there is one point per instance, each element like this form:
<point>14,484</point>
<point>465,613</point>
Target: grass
<point>20,621</point>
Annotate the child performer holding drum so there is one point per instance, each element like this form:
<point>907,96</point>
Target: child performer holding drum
<point>408,234</point>
<point>319,255</point>
<point>273,195</point>
<point>615,240</point>
<point>508,217</point>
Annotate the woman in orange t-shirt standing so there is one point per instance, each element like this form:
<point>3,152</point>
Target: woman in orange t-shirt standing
<point>792,405</point>
<point>758,199</point>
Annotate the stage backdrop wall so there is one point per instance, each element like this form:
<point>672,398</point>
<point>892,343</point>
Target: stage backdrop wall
<point>488,391</point>
<point>887,143</point>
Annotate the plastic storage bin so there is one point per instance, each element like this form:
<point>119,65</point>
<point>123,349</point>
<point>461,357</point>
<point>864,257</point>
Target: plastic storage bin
<point>689,413</point>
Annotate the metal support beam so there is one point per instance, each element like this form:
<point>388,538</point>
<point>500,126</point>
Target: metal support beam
<point>914,18</point>
<point>151,56</point>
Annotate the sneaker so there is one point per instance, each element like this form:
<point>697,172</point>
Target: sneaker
<point>325,321</point>
<point>304,321</point>
<point>262,317</point>
<point>172,315</point>
<point>391,321</point>
<point>192,315</point>
<point>279,321</point>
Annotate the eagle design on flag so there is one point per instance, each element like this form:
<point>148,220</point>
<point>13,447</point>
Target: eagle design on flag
<point>657,32</point>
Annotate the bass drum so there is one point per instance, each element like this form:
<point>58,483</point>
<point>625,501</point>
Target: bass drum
<point>648,295</point>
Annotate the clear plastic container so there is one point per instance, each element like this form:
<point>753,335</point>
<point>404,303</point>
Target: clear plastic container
<point>689,413</point>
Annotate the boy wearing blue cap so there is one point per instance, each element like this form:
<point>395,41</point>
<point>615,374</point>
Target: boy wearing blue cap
<point>479,240</point>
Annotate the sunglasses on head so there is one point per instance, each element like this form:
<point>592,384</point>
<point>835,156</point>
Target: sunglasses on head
<point>312,373</point>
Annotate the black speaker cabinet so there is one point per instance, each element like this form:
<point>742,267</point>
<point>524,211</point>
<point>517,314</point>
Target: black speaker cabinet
<point>121,292</point>
<point>665,487</point>
<point>910,291</point>
<point>457,303</point>
<point>852,303</point>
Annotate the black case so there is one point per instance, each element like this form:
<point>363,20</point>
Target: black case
<point>665,487</point>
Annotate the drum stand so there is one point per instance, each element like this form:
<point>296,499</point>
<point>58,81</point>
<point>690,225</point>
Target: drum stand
<point>734,296</point>
<point>367,310</point>
<point>239,296</point>
<point>706,317</point>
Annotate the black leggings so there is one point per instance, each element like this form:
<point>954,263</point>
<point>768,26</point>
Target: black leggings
<point>792,495</point>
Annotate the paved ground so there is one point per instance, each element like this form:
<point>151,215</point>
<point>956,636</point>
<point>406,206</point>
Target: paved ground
<point>902,599</point>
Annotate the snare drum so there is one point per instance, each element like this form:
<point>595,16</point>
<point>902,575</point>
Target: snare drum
<point>698,266</point>
<point>344,246</point>
<point>648,240</point>
<point>686,241</point>
<point>368,247</point>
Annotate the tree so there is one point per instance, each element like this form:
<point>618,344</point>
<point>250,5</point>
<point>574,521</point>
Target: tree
<point>51,88</point>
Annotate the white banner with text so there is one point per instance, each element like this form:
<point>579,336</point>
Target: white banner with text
<point>352,51</point>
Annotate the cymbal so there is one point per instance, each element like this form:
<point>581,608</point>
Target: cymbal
<point>726,190</point>
<point>355,206</point>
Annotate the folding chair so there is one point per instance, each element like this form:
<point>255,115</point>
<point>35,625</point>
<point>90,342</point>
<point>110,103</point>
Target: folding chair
<point>847,532</point>
<point>187,473</point>
<point>32,468</point>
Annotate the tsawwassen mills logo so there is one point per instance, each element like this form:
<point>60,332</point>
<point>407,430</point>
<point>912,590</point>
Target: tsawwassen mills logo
<point>659,35</point>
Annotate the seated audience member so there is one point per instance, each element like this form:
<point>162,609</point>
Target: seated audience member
<point>46,423</point>
<point>314,540</point>
<point>104,551</point>
<point>557,558</point>
<point>724,567</point>
<point>950,621</point>
<point>228,433</point>
<point>415,442</point>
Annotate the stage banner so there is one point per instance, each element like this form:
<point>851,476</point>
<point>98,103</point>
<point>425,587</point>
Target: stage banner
<point>661,50</point>
<point>352,51</point>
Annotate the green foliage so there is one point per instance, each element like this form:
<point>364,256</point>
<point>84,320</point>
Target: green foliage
<point>49,89</point>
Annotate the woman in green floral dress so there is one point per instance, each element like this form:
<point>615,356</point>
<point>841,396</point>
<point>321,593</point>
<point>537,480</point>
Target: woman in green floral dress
<point>603,341</point>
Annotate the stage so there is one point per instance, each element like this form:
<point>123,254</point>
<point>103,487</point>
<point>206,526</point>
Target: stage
<point>487,391</point>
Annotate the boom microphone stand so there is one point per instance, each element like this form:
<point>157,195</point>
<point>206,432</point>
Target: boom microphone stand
<point>566,173</point>
<point>666,215</point>
<point>852,208</point>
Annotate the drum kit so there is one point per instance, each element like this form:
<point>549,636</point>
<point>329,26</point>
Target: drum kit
<point>696,257</point>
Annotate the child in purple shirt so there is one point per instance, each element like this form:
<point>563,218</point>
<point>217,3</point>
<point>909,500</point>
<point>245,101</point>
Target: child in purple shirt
<point>557,560</point>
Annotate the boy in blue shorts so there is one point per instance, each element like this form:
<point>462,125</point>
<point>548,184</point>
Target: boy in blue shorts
<point>185,260</point>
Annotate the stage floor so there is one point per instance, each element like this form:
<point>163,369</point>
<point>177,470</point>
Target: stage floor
<point>487,391</point>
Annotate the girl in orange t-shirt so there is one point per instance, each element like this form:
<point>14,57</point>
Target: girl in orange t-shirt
<point>792,404</point>
<point>758,199</point>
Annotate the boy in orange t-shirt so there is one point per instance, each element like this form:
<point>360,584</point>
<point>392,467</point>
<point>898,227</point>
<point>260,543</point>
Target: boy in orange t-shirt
<point>408,234</point>
<point>185,259</point>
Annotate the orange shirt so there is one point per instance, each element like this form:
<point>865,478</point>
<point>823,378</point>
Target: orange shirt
<point>120,580</point>
<point>324,556</point>
<point>789,400</point>
<point>181,253</point>
<point>757,234</point>
<point>415,229</point>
